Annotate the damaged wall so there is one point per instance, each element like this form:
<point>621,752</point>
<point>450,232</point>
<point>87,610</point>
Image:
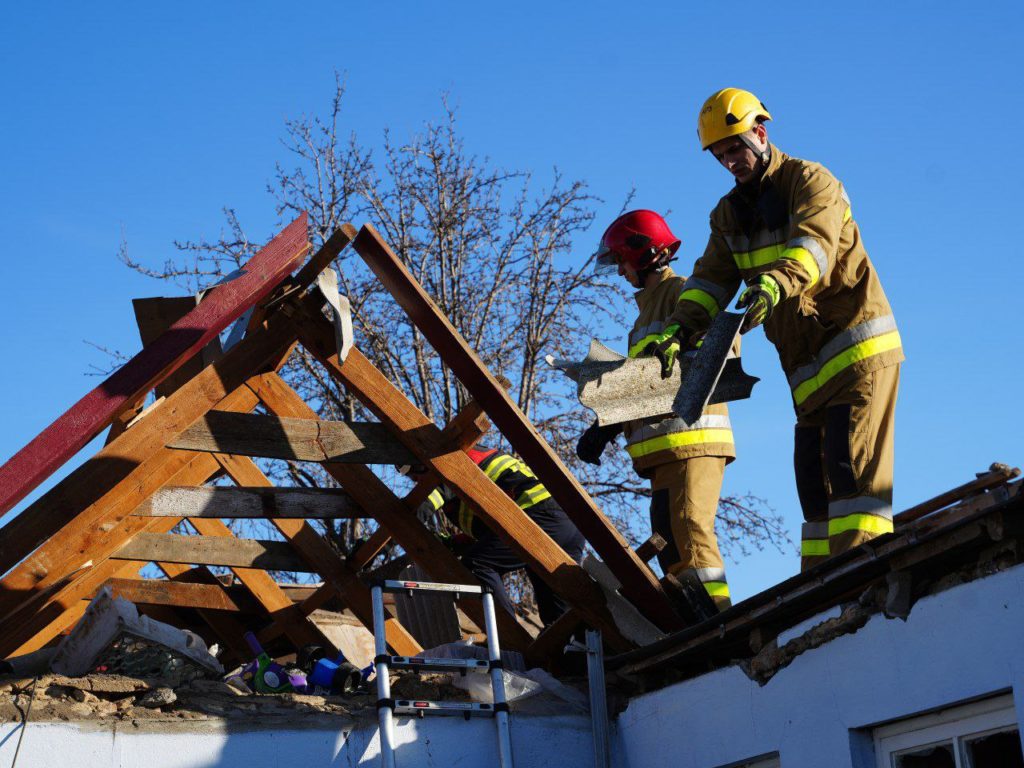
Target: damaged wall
<point>429,743</point>
<point>961,643</point>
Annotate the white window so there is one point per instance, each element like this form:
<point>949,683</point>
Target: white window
<point>983,734</point>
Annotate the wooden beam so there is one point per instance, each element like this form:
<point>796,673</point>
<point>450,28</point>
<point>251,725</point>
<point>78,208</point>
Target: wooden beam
<point>250,434</point>
<point>319,553</point>
<point>395,515</point>
<point>44,612</point>
<point>639,583</point>
<point>173,593</point>
<point>208,550</point>
<point>154,316</point>
<point>115,481</point>
<point>463,431</point>
<point>283,612</point>
<point>460,473</point>
<point>369,549</point>
<point>249,503</point>
<point>86,418</point>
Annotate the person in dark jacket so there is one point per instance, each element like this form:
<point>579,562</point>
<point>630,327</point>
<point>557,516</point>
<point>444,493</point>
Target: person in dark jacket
<point>486,555</point>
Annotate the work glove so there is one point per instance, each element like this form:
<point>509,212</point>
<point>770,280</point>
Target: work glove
<point>594,440</point>
<point>759,299</point>
<point>665,347</point>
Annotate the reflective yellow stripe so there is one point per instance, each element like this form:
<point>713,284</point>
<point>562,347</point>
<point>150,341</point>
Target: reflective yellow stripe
<point>861,351</point>
<point>703,298</point>
<point>859,522</point>
<point>814,548</point>
<point>638,348</point>
<point>805,259</point>
<point>848,215</point>
<point>717,588</point>
<point>465,518</point>
<point>759,257</point>
<point>500,466</point>
<point>531,496</point>
<point>679,439</point>
<point>436,499</point>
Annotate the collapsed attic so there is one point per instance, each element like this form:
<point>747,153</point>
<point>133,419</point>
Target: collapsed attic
<point>946,584</point>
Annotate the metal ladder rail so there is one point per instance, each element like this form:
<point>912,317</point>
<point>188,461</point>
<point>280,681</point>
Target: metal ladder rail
<point>387,707</point>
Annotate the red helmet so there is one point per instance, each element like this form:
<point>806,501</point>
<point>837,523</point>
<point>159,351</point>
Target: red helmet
<point>638,238</point>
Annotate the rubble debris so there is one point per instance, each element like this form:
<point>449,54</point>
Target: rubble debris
<point>113,637</point>
<point>158,697</point>
<point>771,659</point>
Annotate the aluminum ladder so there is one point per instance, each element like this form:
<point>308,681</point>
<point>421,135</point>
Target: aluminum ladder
<point>387,707</point>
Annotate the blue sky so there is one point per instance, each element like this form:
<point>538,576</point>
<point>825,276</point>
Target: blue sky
<point>145,120</point>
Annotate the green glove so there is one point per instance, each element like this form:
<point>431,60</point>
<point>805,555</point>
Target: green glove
<point>665,347</point>
<point>759,299</point>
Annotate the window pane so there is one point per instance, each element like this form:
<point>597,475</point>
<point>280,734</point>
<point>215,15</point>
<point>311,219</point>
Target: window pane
<point>997,750</point>
<point>936,756</point>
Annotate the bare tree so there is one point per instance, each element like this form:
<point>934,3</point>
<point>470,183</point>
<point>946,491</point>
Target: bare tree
<point>494,249</point>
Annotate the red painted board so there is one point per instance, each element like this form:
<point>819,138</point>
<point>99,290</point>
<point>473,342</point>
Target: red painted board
<point>85,419</point>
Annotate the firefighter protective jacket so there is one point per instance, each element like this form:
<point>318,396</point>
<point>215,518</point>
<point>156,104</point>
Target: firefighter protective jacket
<point>508,473</point>
<point>651,442</point>
<point>833,322</point>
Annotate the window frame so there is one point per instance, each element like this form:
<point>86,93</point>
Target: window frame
<point>954,724</point>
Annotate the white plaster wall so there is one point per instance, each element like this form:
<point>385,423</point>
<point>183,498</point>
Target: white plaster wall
<point>962,643</point>
<point>429,743</point>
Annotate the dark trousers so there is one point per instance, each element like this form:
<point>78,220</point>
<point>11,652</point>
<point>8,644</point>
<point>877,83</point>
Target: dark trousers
<point>489,557</point>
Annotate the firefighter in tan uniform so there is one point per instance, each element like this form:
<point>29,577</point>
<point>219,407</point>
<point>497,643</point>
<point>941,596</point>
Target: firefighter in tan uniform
<point>684,463</point>
<point>786,233</point>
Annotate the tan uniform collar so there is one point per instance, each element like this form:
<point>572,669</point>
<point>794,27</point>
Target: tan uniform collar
<point>643,295</point>
<point>778,157</point>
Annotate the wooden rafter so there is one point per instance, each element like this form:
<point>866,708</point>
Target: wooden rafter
<point>639,583</point>
<point>94,412</point>
<point>459,472</point>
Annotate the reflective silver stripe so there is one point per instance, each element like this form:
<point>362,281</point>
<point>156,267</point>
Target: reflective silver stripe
<point>651,328</point>
<point>760,239</point>
<point>717,292</point>
<point>862,332</point>
<point>868,505</point>
<point>711,574</point>
<point>671,426</point>
<point>811,531</point>
<point>846,197</point>
<point>813,247</point>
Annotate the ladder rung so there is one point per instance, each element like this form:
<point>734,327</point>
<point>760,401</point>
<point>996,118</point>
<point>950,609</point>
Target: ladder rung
<point>431,586</point>
<point>445,665</point>
<point>421,707</point>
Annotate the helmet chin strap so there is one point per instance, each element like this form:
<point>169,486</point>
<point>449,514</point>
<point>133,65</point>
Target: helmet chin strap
<point>654,267</point>
<point>764,155</point>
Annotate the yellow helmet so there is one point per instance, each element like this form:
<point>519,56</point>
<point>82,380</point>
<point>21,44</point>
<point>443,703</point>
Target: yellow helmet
<point>729,112</point>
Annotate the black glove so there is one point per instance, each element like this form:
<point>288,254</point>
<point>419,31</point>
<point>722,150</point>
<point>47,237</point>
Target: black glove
<point>594,440</point>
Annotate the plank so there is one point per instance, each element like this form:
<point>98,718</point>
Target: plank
<point>43,612</point>
<point>154,316</point>
<point>326,561</point>
<point>121,475</point>
<point>83,421</point>
<point>639,583</point>
<point>463,431</point>
<point>249,503</point>
<point>398,517</point>
<point>173,593</point>
<point>269,594</point>
<point>272,437</point>
<point>208,550</point>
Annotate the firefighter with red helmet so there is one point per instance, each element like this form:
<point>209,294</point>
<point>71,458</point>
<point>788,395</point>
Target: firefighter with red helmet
<point>685,463</point>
